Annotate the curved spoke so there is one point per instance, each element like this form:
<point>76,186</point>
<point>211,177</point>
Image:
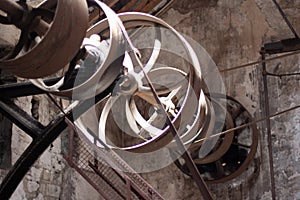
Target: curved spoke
<point>178,88</point>
<point>21,43</point>
<point>4,20</point>
<point>122,115</point>
<point>220,169</point>
<point>231,157</point>
<point>152,60</point>
<point>103,119</point>
<point>152,130</point>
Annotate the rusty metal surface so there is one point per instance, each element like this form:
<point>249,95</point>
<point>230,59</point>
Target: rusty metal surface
<point>268,125</point>
<point>224,166</point>
<point>56,47</point>
<point>106,71</point>
<point>107,167</point>
<point>61,43</point>
<point>138,19</point>
<point>39,144</point>
<point>166,135</point>
<point>224,142</point>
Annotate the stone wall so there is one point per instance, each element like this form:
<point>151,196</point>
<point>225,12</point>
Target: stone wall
<point>233,32</point>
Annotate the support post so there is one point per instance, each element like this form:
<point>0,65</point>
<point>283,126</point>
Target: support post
<point>268,124</point>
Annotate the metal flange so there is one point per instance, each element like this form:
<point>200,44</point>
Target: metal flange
<point>56,46</point>
<point>186,118</point>
<point>222,166</point>
<point>100,65</point>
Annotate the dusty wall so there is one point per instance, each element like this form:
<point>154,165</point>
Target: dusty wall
<point>232,32</point>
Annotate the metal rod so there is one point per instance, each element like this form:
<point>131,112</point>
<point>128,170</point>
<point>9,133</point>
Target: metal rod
<point>29,156</point>
<point>11,8</point>
<point>105,179</point>
<point>19,117</point>
<point>128,186</point>
<point>281,75</point>
<point>110,156</point>
<point>40,144</point>
<point>40,26</point>
<point>19,16</point>
<point>185,153</point>
<point>268,124</point>
<point>13,90</point>
<point>248,124</point>
<point>282,46</point>
<point>285,18</point>
<point>258,62</point>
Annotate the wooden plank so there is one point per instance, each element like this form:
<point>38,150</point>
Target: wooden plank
<point>140,5</point>
<point>128,6</point>
<point>150,6</point>
<point>96,14</point>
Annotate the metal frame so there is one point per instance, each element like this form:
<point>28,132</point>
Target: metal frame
<point>122,171</point>
<point>42,136</point>
<point>283,46</point>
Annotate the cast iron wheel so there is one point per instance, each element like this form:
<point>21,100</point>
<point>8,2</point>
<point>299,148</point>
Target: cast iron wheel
<point>51,35</point>
<point>241,152</point>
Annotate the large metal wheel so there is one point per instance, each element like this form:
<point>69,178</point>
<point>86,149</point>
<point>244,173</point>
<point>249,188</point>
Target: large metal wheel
<point>233,152</point>
<point>131,106</point>
<point>51,35</point>
<point>97,64</point>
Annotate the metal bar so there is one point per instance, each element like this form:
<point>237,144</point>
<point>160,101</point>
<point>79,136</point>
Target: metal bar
<point>247,124</point>
<point>268,124</point>
<point>281,75</point>
<point>11,8</point>
<point>164,8</point>
<point>134,186</point>
<point>287,45</point>
<point>19,117</point>
<point>285,18</point>
<point>106,180</point>
<point>259,62</point>
<point>14,90</point>
<point>112,158</point>
<point>149,6</point>
<point>5,143</point>
<point>128,186</point>
<point>182,149</point>
<point>21,15</point>
<point>87,178</point>
<point>29,156</point>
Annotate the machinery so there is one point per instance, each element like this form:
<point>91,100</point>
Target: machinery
<point>127,90</point>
